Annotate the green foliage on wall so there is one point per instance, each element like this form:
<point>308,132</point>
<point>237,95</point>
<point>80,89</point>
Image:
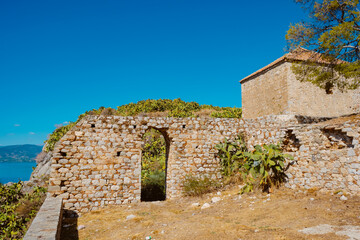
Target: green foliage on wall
<point>56,135</point>
<point>17,209</point>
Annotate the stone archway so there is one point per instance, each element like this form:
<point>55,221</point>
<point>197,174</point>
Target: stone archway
<point>154,159</point>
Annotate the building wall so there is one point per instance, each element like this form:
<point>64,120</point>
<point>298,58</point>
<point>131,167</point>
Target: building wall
<point>304,98</point>
<point>266,94</point>
<point>278,92</point>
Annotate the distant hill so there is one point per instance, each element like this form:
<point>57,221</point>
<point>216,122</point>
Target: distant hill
<point>19,153</point>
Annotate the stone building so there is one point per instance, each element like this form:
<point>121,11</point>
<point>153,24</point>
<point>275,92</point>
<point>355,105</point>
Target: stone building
<point>274,89</point>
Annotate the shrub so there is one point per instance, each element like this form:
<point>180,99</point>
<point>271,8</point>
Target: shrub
<point>227,112</point>
<point>176,107</point>
<point>108,112</point>
<point>180,113</point>
<point>199,185</point>
<point>17,209</point>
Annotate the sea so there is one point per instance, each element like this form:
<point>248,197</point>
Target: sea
<point>15,171</point>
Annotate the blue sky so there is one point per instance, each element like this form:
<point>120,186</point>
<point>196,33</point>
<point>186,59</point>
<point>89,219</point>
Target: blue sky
<point>61,58</point>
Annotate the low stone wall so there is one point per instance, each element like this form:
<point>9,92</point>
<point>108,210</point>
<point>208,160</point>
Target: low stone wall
<point>47,223</point>
<point>98,162</point>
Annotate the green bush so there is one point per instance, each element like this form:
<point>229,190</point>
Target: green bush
<point>176,106</point>
<point>17,209</point>
<point>227,112</point>
<point>199,185</point>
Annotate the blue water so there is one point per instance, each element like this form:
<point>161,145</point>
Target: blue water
<point>15,171</point>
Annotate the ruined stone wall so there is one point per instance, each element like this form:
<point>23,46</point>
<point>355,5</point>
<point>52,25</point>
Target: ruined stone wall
<point>327,155</point>
<point>98,162</point>
<point>266,94</point>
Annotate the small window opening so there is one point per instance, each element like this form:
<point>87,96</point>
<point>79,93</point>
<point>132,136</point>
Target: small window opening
<point>92,125</point>
<point>134,126</point>
<point>183,126</point>
<point>63,154</point>
<point>118,154</point>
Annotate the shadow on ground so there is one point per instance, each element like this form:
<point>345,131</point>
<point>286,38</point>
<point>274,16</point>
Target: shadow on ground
<point>69,226</point>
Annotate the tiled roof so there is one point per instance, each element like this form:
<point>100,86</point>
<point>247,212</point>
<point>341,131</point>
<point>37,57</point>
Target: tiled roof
<point>300,54</point>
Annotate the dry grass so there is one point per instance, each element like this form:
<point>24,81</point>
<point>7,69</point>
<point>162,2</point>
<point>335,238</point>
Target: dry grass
<point>250,217</point>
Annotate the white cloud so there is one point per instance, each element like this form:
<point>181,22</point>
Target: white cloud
<point>31,133</point>
<point>61,124</point>
<point>16,125</point>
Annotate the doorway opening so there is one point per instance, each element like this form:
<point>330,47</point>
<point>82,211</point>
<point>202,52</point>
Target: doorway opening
<point>153,165</point>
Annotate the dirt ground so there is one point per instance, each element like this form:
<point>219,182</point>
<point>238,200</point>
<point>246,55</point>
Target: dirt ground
<point>279,215</point>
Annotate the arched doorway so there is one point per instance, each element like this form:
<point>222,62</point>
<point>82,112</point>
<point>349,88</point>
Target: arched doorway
<point>154,165</point>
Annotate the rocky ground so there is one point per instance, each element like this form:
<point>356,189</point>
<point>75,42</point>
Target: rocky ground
<point>40,176</point>
<point>284,214</point>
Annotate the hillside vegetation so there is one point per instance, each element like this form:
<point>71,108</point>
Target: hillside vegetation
<point>19,153</point>
<point>154,108</point>
<point>17,209</point>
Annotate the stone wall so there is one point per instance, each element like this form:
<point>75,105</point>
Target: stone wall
<point>47,223</point>
<point>276,91</point>
<point>327,155</point>
<point>266,94</point>
<point>98,162</point>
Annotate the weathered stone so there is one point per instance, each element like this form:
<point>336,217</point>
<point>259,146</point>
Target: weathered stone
<point>104,167</point>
